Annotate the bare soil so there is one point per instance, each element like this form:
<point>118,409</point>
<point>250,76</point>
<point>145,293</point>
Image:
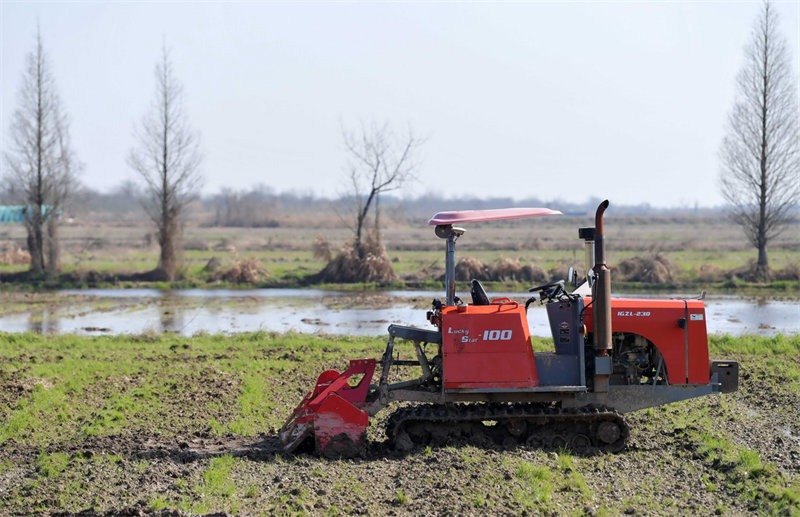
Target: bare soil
<point>166,465</point>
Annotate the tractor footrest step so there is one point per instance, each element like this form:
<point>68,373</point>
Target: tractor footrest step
<point>415,334</point>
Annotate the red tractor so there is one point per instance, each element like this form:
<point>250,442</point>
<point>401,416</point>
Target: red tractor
<point>481,381</point>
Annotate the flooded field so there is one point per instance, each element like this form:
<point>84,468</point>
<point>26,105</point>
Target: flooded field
<point>187,312</point>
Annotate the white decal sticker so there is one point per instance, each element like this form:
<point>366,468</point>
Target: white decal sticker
<point>497,335</point>
<point>633,313</point>
<point>696,317</point>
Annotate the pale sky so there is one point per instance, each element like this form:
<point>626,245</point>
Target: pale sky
<point>567,100</point>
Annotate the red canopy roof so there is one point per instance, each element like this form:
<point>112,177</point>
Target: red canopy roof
<point>472,216</point>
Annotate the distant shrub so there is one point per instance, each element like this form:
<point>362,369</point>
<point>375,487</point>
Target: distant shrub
<point>197,245</point>
<point>213,265</point>
<point>247,271</point>
<point>348,267</point>
<point>534,273</point>
<point>652,269</point>
<point>512,270</point>
<point>15,256</point>
<point>709,273</point>
<point>749,273</point>
<point>469,268</point>
<point>86,276</point>
<point>225,244</point>
<point>321,249</point>
<point>790,272</point>
<point>504,269</point>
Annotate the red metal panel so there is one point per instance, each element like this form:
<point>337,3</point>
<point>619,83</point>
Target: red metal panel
<point>698,343</point>
<point>338,418</point>
<point>487,346</point>
<point>658,321</point>
<point>332,408</point>
<point>331,381</point>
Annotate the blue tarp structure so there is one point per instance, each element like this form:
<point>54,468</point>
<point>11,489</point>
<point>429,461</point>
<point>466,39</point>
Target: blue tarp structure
<point>16,213</point>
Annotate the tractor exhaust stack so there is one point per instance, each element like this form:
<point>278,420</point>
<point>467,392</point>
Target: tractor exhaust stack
<point>601,305</point>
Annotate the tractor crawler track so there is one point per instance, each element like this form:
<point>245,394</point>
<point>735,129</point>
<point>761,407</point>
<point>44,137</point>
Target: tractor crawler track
<point>588,429</point>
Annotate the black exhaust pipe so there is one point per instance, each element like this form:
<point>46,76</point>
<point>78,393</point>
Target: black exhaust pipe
<point>601,305</point>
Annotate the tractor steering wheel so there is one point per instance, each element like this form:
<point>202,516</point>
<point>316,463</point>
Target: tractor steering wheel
<point>549,291</point>
<point>559,283</point>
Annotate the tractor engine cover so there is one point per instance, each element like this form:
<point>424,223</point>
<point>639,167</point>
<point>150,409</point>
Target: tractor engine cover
<point>677,328</point>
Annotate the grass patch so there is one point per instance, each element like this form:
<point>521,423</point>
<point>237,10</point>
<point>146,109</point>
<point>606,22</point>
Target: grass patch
<point>401,498</point>
<point>744,471</point>
<point>216,485</point>
<point>750,463</point>
<point>216,478</point>
<point>776,356</point>
<point>254,404</point>
<point>779,345</point>
<point>571,477</point>
<point>51,465</point>
<point>99,386</point>
<point>536,484</point>
<point>158,503</point>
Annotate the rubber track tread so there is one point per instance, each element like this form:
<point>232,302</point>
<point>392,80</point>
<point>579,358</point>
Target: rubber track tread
<point>539,415</point>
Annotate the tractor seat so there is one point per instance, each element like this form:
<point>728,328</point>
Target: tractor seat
<point>478,293</point>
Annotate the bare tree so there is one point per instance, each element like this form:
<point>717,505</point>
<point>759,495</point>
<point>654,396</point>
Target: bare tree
<point>167,158</point>
<point>380,161</point>
<point>251,208</point>
<point>761,151</point>
<point>41,164</point>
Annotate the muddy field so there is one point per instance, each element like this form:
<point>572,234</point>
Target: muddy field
<point>167,425</point>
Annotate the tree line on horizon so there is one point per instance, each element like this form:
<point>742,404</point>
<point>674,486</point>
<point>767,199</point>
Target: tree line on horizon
<point>759,161</point>
<point>262,207</point>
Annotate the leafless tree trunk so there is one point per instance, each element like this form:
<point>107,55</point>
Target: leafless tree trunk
<point>380,162</point>
<point>53,250</point>
<point>41,165</point>
<point>227,201</point>
<point>167,158</point>
<point>761,151</point>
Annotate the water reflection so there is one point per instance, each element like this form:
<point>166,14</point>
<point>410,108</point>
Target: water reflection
<point>43,321</point>
<point>312,311</point>
<point>171,317</point>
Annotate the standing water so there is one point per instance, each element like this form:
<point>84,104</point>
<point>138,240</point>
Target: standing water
<point>186,312</point>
